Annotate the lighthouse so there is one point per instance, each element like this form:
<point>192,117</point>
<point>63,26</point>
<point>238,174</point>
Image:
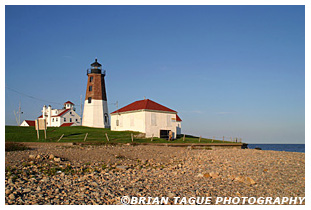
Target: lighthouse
<point>95,113</point>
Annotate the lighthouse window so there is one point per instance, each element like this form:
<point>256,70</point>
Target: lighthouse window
<point>90,88</point>
<point>91,79</point>
<point>89,100</point>
<point>106,118</point>
<point>70,120</point>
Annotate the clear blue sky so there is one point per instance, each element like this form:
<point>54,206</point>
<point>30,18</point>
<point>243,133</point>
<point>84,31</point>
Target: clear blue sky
<point>228,70</point>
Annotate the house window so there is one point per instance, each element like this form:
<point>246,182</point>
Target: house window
<point>117,122</point>
<point>91,79</point>
<point>56,119</point>
<point>132,121</point>
<point>70,120</point>
<point>121,121</point>
<point>52,119</point>
<point>153,119</point>
<point>90,88</point>
<point>168,120</point>
<point>89,100</point>
<point>64,119</point>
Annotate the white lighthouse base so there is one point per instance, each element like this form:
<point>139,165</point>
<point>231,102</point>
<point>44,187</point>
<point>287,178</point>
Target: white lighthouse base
<point>95,114</point>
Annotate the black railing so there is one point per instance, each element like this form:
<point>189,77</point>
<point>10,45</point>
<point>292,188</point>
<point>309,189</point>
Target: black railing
<point>95,71</point>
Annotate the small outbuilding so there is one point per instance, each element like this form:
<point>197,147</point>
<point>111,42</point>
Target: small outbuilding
<point>28,123</point>
<point>147,116</point>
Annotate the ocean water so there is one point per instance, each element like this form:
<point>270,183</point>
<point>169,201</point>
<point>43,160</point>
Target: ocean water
<point>280,147</point>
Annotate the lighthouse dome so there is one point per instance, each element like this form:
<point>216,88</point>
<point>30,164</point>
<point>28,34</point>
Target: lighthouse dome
<point>96,64</point>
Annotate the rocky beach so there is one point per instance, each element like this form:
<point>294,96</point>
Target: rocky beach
<point>51,173</point>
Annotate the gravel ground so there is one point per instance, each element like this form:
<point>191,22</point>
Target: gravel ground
<point>58,174</point>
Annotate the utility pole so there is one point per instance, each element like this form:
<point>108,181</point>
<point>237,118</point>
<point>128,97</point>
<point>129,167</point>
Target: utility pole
<point>81,107</point>
<point>19,112</point>
<point>117,104</point>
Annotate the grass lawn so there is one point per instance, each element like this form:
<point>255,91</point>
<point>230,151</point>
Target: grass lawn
<point>77,134</point>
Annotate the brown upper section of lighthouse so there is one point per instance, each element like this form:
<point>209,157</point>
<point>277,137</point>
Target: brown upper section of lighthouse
<point>96,83</point>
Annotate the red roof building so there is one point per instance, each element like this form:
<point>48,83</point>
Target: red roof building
<point>28,123</point>
<point>61,117</point>
<point>145,104</point>
<point>148,117</point>
<point>69,102</point>
<point>66,124</point>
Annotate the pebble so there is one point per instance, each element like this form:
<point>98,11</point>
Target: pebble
<point>97,175</point>
<point>12,196</point>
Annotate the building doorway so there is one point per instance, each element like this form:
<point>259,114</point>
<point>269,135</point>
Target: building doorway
<point>164,134</point>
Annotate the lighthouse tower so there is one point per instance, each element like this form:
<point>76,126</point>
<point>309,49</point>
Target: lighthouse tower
<point>95,113</point>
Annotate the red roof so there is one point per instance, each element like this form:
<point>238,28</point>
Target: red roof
<point>144,104</point>
<point>178,118</point>
<point>30,122</point>
<point>69,102</point>
<point>66,124</point>
<point>60,114</point>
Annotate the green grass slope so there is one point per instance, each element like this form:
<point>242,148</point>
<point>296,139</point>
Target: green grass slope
<point>77,134</point>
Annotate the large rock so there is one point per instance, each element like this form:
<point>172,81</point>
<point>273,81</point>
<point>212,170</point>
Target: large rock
<point>121,167</point>
<point>246,180</point>
<point>249,181</point>
<point>12,196</point>
<point>207,175</point>
<point>214,175</point>
<point>239,178</point>
<point>171,195</point>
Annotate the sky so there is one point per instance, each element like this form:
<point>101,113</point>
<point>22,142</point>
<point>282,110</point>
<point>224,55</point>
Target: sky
<point>233,71</point>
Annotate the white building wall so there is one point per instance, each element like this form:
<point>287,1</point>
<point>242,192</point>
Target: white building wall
<point>94,114</point>
<point>164,121</point>
<point>148,122</point>
<point>57,121</point>
<point>75,118</point>
<point>131,121</point>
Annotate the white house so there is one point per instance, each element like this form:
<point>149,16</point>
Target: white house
<point>28,123</point>
<point>61,117</point>
<point>148,117</point>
